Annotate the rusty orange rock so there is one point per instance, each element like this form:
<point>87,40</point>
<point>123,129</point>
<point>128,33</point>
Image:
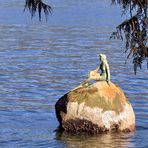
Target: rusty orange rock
<point>94,109</point>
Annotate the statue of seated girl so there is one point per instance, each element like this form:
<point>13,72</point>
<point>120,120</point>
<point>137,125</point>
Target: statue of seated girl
<point>102,73</point>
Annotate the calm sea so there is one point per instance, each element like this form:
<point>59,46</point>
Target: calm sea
<point>41,61</point>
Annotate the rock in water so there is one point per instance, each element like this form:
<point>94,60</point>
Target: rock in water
<point>95,109</point>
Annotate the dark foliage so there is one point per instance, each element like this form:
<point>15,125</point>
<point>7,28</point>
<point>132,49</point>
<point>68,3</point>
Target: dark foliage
<point>38,5</point>
<point>134,30</point>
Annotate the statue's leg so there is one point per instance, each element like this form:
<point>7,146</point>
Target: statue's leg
<point>83,84</point>
<point>102,77</point>
<point>94,75</point>
<point>86,81</point>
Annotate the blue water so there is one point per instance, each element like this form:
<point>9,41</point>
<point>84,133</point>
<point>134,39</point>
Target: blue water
<point>39,62</point>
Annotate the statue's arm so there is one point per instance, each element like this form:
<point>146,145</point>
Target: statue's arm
<point>98,68</point>
<point>108,73</point>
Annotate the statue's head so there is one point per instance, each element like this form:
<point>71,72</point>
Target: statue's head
<point>102,57</point>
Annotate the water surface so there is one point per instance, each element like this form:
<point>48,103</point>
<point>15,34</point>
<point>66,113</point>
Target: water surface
<point>40,62</point>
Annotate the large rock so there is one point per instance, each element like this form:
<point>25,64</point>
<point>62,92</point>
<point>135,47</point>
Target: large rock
<point>95,109</point>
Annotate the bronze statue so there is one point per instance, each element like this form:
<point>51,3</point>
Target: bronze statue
<point>104,68</point>
<point>102,73</point>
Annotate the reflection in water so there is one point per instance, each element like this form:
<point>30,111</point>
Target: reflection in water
<point>114,140</point>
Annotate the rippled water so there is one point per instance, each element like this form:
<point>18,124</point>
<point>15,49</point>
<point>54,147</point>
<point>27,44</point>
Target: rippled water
<point>39,62</point>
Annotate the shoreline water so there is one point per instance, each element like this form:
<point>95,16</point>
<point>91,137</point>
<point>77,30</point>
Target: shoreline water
<point>39,62</point>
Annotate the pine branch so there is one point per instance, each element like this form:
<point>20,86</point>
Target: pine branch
<point>37,5</point>
<point>134,30</point>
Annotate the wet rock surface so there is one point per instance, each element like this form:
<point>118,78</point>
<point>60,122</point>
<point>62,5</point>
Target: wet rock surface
<point>97,108</point>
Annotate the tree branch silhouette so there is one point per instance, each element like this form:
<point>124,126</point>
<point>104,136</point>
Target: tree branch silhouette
<point>132,30</point>
<point>37,5</point>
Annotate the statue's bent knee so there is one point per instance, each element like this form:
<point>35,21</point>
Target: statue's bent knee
<point>93,75</point>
